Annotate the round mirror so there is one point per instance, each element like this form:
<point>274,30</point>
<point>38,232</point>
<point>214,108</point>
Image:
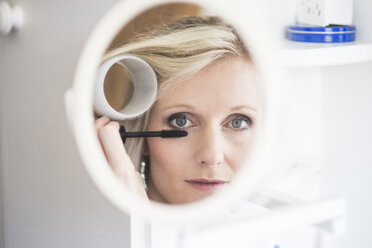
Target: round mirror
<point>209,134</point>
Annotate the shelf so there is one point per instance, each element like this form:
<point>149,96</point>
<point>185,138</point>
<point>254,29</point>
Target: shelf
<point>301,54</point>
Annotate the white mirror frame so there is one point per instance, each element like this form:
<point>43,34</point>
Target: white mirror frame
<point>80,114</point>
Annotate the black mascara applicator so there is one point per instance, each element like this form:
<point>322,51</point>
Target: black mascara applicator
<point>163,133</point>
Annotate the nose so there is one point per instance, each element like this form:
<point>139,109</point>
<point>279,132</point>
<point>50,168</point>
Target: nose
<point>210,150</point>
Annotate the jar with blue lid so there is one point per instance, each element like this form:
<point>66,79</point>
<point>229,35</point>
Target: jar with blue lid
<point>329,34</point>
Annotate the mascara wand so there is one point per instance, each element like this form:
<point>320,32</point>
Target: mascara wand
<point>163,133</point>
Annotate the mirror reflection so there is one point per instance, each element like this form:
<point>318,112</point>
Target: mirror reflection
<point>207,87</point>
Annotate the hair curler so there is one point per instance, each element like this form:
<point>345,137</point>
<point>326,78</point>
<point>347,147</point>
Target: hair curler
<point>144,87</point>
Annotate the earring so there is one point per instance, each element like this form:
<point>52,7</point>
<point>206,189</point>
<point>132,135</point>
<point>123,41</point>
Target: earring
<point>142,173</point>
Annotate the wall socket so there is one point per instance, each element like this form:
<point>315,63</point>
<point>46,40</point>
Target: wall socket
<point>324,12</point>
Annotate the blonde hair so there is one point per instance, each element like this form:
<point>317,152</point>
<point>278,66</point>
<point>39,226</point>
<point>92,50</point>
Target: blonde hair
<point>177,51</point>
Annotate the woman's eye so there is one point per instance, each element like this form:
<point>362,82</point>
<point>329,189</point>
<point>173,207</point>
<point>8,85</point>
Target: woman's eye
<point>179,121</point>
<point>242,123</point>
<point>237,123</point>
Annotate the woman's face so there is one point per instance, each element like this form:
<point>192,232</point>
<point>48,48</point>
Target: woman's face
<point>219,107</point>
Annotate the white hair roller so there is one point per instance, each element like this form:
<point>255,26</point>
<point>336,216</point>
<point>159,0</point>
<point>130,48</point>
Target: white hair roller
<point>144,88</point>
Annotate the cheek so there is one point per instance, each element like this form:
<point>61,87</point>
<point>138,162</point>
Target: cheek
<point>166,155</point>
<point>239,150</point>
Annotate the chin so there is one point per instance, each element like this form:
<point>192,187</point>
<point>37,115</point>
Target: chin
<point>190,198</point>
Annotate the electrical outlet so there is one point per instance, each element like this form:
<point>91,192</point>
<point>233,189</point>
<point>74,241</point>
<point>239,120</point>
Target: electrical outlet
<point>324,12</point>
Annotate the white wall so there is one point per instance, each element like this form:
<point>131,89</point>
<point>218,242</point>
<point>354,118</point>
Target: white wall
<point>347,136</point>
<point>347,143</point>
<point>48,199</point>
<point>363,19</point>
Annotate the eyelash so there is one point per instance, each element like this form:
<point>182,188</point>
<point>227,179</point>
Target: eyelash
<point>184,114</point>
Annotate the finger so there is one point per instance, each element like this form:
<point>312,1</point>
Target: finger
<point>114,150</point>
<point>101,122</point>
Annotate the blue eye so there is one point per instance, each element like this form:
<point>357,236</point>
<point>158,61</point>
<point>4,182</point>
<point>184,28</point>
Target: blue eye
<point>179,120</point>
<point>237,123</point>
<point>242,122</point>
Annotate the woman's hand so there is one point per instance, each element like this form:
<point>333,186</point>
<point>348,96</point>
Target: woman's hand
<point>116,155</point>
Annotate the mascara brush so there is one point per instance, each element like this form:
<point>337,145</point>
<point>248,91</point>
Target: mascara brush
<point>163,133</point>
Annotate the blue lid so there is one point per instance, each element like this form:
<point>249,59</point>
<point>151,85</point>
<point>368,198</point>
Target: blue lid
<point>330,34</point>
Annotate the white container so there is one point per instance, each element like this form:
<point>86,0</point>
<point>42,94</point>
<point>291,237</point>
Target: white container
<point>324,12</point>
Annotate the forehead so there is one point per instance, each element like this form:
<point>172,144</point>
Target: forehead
<point>226,83</point>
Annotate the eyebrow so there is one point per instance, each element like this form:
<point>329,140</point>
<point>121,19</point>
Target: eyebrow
<point>179,106</point>
<point>235,108</point>
<point>243,107</point>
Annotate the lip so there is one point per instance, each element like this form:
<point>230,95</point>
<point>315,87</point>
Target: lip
<point>206,184</point>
